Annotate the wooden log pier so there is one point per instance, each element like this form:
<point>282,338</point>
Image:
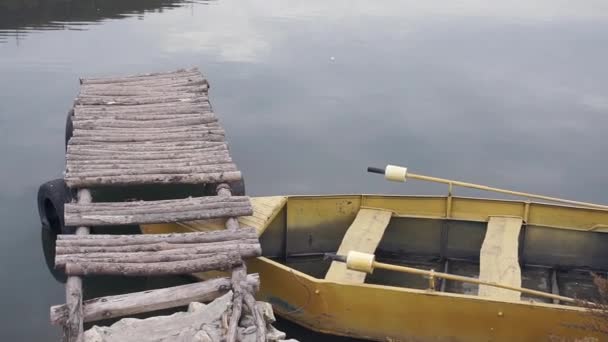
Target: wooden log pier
<point>148,129</point>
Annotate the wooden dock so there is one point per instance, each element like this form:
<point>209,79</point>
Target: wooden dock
<point>152,129</point>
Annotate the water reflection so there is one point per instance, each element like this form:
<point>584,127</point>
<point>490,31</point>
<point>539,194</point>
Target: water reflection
<point>19,18</point>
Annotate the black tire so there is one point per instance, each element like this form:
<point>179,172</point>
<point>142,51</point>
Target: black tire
<point>48,238</point>
<point>52,196</point>
<point>69,128</point>
<point>238,188</point>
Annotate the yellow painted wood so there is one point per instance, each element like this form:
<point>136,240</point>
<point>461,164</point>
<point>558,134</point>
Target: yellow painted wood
<point>499,259</point>
<point>363,235</point>
<point>386,313</point>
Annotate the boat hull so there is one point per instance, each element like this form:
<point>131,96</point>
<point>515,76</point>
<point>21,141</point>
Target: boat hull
<point>392,313</point>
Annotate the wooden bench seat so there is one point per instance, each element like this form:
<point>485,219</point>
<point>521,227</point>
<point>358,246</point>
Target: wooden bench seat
<point>363,235</point>
<point>499,258</point>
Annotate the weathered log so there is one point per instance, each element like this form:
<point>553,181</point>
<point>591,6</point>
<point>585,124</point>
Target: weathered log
<point>146,137</point>
<point>196,153</point>
<point>221,152</point>
<point>130,100</point>
<point>166,83</point>
<point>197,248</point>
<point>147,84</point>
<point>142,91</point>
<point>151,300</point>
<point>139,91</point>
<point>99,112</point>
<point>156,179</point>
<point>193,202</point>
<point>113,219</point>
<point>145,161</point>
<point>126,89</point>
<point>149,148</point>
<point>145,109</point>
<point>137,78</point>
<point>166,169</point>
<point>187,152</point>
<point>142,207</point>
<point>62,260</point>
<point>188,164</point>
<point>147,132</point>
<point>184,120</point>
<point>100,140</point>
<point>192,237</point>
<point>222,261</point>
<point>73,328</point>
<point>189,200</point>
<point>246,251</point>
<point>101,164</point>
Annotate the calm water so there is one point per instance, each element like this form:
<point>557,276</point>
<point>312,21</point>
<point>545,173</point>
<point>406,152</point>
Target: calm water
<point>511,94</point>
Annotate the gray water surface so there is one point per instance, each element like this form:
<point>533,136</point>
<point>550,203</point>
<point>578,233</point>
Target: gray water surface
<point>511,94</point>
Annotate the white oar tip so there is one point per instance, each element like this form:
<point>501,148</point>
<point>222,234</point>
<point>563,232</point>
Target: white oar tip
<point>395,173</point>
<point>359,261</point>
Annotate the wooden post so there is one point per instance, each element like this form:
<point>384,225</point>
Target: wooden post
<point>73,330</point>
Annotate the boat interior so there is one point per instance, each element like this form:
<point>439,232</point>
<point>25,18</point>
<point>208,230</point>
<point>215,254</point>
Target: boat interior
<point>550,248</point>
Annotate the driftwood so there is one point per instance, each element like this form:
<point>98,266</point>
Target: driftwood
<point>151,300</point>
<point>200,323</point>
<point>223,261</point>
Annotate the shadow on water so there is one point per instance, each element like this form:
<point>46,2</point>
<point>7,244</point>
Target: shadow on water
<point>19,18</point>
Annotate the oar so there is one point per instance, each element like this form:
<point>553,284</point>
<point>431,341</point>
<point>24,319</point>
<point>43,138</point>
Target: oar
<point>364,262</point>
<point>400,174</point>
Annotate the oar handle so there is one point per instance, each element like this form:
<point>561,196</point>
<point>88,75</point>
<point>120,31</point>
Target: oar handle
<point>377,170</point>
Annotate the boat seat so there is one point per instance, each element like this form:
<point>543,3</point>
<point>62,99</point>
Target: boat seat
<point>139,212</point>
<point>363,235</point>
<point>498,260</point>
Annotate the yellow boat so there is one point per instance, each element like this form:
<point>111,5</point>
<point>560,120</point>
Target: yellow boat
<point>477,269</point>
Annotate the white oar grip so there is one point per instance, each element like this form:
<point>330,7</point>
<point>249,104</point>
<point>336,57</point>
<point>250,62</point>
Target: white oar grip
<point>395,173</point>
<point>362,262</point>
